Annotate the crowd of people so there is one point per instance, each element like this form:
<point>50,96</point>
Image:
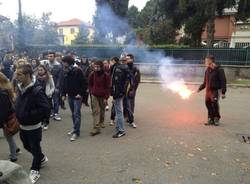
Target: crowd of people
<point>34,90</point>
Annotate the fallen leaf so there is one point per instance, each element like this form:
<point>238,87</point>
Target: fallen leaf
<point>199,149</point>
<point>213,174</point>
<point>190,155</point>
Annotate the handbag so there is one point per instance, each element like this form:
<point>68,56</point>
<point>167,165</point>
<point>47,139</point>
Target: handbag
<point>12,126</point>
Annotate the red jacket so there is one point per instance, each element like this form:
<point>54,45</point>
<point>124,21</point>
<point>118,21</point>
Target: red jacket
<point>99,85</point>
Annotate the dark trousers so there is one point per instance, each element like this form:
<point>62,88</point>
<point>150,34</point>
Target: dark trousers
<point>31,140</point>
<point>55,102</point>
<point>112,112</point>
<point>212,104</point>
<point>132,102</point>
<point>46,121</point>
<point>85,98</point>
<point>127,107</point>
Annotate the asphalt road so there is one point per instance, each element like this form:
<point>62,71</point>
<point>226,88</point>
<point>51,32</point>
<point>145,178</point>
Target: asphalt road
<point>170,146</point>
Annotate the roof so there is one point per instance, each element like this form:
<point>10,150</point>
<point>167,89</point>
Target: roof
<point>72,22</point>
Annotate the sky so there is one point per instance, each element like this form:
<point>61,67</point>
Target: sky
<point>61,9</point>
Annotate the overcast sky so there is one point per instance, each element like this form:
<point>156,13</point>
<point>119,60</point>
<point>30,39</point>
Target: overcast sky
<point>61,9</point>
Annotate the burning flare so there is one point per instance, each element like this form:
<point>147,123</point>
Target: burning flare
<point>180,88</point>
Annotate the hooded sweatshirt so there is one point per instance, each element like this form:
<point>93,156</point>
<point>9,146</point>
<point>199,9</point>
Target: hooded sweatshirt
<point>32,106</point>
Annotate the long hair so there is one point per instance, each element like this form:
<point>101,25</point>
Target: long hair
<point>47,72</point>
<point>7,86</point>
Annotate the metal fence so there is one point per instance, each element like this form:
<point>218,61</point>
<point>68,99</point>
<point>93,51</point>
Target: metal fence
<point>236,56</point>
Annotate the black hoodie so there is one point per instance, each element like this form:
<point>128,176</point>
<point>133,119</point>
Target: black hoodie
<point>32,105</point>
<point>214,79</point>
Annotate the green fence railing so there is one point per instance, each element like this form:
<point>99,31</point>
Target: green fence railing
<point>230,56</point>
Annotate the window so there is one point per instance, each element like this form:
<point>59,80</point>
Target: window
<point>72,30</point>
<point>60,31</point>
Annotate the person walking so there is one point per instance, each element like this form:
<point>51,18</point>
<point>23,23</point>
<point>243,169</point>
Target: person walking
<point>32,107</point>
<point>99,87</point>
<point>216,85</point>
<point>45,79</point>
<point>7,98</point>
<point>75,85</point>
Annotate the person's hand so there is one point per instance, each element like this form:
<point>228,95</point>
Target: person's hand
<point>63,98</point>
<point>223,96</point>
<point>78,97</point>
<point>105,101</point>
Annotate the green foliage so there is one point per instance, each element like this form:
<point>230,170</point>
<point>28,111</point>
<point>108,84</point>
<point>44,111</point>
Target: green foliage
<point>162,32</point>
<point>6,33</point>
<point>132,16</point>
<point>38,30</point>
<point>107,26</point>
<point>243,10</point>
<point>82,36</point>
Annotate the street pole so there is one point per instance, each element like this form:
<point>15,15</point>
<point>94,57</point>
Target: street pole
<point>21,41</point>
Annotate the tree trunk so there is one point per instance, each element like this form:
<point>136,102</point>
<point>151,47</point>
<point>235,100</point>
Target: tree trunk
<point>210,32</point>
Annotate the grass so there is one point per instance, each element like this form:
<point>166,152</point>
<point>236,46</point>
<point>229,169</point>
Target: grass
<point>241,81</point>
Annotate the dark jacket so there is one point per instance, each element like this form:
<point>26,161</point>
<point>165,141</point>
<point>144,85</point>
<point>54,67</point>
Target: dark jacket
<point>99,85</point>
<point>6,108</point>
<point>137,76</point>
<point>32,106</point>
<point>214,79</point>
<point>74,82</point>
<point>56,71</point>
<point>121,77</point>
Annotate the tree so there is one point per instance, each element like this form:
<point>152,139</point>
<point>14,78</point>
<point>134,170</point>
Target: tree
<point>30,26</point>
<point>133,15</point>
<point>6,33</point>
<point>162,32</point>
<point>46,32</point>
<point>197,14</point>
<point>38,30</point>
<point>109,20</point>
<point>243,10</point>
<point>83,36</point>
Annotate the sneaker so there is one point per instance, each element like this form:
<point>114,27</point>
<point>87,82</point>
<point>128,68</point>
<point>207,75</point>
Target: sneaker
<point>133,125</point>
<point>51,115</point>
<point>70,133</point>
<point>119,134</point>
<point>209,122</point>
<point>94,132</point>
<point>13,159</point>
<point>44,161</point>
<point>34,176</point>
<point>112,123</point>
<point>57,117</point>
<point>216,121</point>
<point>45,127</point>
<point>18,151</point>
<point>73,138</point>
<point>107,108</point>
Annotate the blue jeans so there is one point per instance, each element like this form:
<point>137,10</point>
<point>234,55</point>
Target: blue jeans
<point>75,107</point>
<point>12,146</point>
<point>127,105</point>
<point>119,114</point>
<point>55,102</point>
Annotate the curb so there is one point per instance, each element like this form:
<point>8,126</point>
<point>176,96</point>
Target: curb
<point>194,83</point>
